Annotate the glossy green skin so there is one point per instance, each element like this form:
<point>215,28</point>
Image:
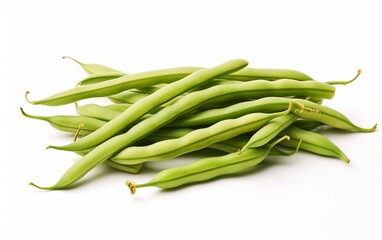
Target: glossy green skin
<point>230,145</point>
<point>195,140</point>
<point>312,142</point>
<point>70,124</point>
<point>265,104</point>
<point>312,111</point>
<point>129,97</point>
<point>120,107</point>
<point>328,116</point>
<point>96,111</point>
<point>208,168</point>
<point>270,131</point>
<point>117,85</point>
<point>139,109</point>
<point>105,150</point>
<point>132,96</point>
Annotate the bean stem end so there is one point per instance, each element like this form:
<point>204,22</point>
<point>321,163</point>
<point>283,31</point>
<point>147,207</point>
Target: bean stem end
<point>26,98</point>
<point>132,186</point>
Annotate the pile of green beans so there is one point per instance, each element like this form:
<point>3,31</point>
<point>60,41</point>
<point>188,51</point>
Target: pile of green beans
<point>240,114</point>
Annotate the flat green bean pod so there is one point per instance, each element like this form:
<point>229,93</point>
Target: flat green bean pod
<point>207,168</point>
<point>230,145</point>
<point>329,116</point>
<point>195,140</point>
<point>269,131</point>
<point>67,123</point>
<point>309,125</point>
<point>120,107</point>
<point>131,97</point>
<point>128,97</point>
<point>313,142</point>
<point>117,85</point>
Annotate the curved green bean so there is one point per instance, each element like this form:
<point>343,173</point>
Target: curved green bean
<point>211,116</point>
<point>329,116</point>
<point>129,97</point>
<point>120,107</point>
<point>230,145</point>
<point>70,123</point>
<point>125,168</point>
<point>195,140</point>
<point>307,124</point>
<point>207,168</point>
<point>313,142</point>
<point>269,131</point>
<point>117,85</point>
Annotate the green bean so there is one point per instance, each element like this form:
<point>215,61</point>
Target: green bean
<point>128,97</point>
<point>267,74</point>
<point>120,107</point>
<point>230,145</point>
<point>266,104</point>
<point>92,68</point>
<point>307,124</point>
<point>117,85</point>
<point>305,109</point>
<point>125,168</point>
<point>313,142</point>
<point>70,123</point>
<point>146,79</point>
<point>312,111</point>
<point>196,139</point>
<point>97,111</point>
<point>207,168</point>
<point>139,109</point>
<point>269,131</point>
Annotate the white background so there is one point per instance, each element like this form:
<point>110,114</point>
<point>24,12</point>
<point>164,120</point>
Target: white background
<point>301,197</point>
